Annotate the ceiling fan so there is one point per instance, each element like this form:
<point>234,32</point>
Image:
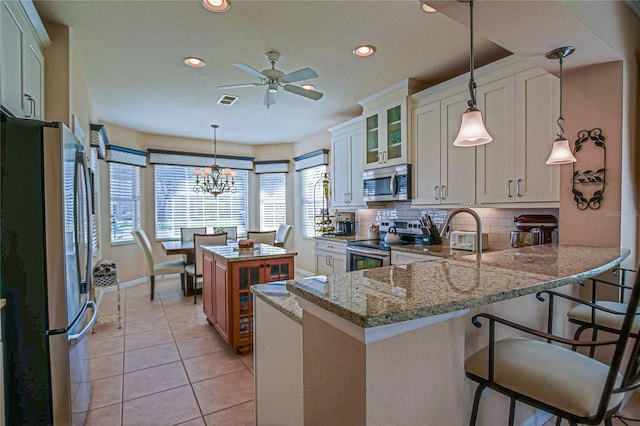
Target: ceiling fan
<point>273,78</point>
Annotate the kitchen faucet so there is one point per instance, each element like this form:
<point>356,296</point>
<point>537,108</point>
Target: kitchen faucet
<point>445,232</point>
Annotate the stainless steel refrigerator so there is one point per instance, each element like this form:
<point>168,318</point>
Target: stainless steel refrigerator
<point>45,272</point>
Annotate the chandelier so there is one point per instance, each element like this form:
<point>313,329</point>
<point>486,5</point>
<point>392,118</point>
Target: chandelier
<point>214,180</point>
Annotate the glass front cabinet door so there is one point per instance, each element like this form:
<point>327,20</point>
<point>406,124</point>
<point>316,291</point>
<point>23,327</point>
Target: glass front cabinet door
<point>386,140</point>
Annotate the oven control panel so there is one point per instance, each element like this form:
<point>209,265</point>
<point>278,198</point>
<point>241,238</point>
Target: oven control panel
<point>402,226</point>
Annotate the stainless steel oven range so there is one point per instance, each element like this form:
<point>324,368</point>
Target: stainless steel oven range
<point>367,254</point>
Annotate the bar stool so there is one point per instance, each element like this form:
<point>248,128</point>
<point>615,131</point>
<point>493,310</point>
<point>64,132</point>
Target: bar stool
<point>105,274</point>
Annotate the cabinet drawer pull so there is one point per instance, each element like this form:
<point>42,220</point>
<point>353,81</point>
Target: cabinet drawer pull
<point>436,192</point>
<point>443,192</point>
<point>509,189</point>
<point>518,188</point>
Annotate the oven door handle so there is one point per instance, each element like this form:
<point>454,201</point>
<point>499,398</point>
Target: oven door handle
<point>376,253</point>
<point>393,185</point>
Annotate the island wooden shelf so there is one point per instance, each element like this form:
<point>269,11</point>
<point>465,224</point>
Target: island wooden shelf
<point>227,275</point>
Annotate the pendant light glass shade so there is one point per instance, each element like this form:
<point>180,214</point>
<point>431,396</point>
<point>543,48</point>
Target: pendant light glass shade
<point>561,153</point>
<point>472,131</point>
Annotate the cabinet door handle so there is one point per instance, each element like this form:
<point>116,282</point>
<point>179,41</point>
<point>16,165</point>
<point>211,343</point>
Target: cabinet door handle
<point>384,157</point>
<point>326,259</point>
<point>34,107</point>
<point>31,105</point>
<point>443,192</point>
<point>518,188</point>
<point>379,157</point>
<point>509,188</point>
<point>344,198</point>
<point>436,192</point>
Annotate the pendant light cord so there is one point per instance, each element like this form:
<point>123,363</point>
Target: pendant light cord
<point>472,82</point>
<point>560,118</point>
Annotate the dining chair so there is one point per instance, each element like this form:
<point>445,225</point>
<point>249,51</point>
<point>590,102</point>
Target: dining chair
<point>186,234</point>
<point>263,237</point>
<point>195,269</point>
<point>282,235</point>
<point>554,378</point>
<point>596,314</point>
<point>153,268</point>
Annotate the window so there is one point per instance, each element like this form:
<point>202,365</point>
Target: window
<point>309,177</point>
<point>177,205</point>
<point>124,187</point>
<point>273,200</point>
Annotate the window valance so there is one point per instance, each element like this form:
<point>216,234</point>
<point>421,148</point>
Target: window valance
<point>312,159</point>
<point>119,154</point>
<point>278,166</point>
<point>176,158</point>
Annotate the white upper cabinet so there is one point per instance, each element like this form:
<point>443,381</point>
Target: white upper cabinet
<point>519,107</point>
<point>21,60</point>
<point>385,127</point>
<point>346,163</point>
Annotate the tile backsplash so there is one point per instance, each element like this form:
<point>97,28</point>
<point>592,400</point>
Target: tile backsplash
<point>497,223</point>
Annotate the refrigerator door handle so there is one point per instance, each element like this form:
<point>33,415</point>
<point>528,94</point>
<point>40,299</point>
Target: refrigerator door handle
<point>80,159</point>
<point>75,338</point>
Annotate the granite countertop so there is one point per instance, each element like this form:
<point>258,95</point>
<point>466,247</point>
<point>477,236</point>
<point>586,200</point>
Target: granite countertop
<point>440,250</point>
<point>277,295</point>
<point>341,238</point>
<point>232,253</point>
<point>393,294</point>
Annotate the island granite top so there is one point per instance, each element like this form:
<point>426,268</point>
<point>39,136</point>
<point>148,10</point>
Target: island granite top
<point>393,294</point>
<point>232,253</point>
<point>277,295</point>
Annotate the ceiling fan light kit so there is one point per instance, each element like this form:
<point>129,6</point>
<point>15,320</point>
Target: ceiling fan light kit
<point>561,153</point>
<point>274,78</point>
<point>472,129</point>
<point>216,5</point>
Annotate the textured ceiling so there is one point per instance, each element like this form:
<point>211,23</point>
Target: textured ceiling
<point>132,51</point>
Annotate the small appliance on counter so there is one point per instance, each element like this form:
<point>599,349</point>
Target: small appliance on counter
<point>345,223</point>
<point>532,225</point>
<point>467,240</point>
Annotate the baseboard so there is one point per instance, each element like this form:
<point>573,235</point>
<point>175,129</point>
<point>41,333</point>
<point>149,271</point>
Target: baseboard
<point>304,272</point>
<point>539,418</point>
<point>132,283</point>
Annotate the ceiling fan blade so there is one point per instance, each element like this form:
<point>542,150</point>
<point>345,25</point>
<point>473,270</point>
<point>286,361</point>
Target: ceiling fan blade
<point>269,98</point>
<point>311,94</point>
<point>303,74</point>
<point>252,71</point>
<point>240,86</point>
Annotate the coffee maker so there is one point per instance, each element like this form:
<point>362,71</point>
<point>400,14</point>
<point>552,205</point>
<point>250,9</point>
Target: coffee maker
<point>534,228</point>
<point>345,223</point>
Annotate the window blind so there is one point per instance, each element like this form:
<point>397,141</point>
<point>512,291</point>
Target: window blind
<point>273,200</point>
<point>124,190</point>
<point>309,177</point>
<point>177,205</point>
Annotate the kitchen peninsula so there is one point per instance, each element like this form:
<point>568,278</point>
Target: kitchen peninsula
<point>387,345</point>
<point>227,274</point>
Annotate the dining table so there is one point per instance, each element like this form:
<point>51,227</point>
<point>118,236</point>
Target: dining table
<point>186,248</point>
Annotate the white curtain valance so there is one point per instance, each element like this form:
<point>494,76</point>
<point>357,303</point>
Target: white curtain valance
<point>312,159</point>
<point>174,158</point>
<point>119,154</point>
<point>281,166</point>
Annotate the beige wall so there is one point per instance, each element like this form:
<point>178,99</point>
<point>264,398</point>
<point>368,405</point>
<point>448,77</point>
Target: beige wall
<point>593,99</point>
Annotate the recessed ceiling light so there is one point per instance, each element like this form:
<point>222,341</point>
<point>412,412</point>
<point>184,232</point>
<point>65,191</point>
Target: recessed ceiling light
<point>194,62</point>
<point>426,8</point>
<point>216,5</point>
<point>364,50</point>
<point>309,87</point>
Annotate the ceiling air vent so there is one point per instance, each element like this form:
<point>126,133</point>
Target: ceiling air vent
<point>227,100</point>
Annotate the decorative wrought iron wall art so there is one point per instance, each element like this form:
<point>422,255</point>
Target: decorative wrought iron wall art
<point>592,177</point>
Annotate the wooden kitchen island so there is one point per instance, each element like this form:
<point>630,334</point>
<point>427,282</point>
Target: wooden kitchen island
<point>227,274</point>
<point>387,345</point>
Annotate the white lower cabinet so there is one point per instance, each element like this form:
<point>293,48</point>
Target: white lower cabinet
<point>404,258</point>
<point>331,257</point>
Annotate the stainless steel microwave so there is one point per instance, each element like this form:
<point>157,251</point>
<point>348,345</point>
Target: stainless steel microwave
<point>387,183</point>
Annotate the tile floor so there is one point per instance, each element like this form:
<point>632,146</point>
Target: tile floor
<point>166,366</point>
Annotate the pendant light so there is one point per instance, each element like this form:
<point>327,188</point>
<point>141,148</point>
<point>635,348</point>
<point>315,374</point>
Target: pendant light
<point>214,180</point>
<point>561,153</point>
<point>472,131</point>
